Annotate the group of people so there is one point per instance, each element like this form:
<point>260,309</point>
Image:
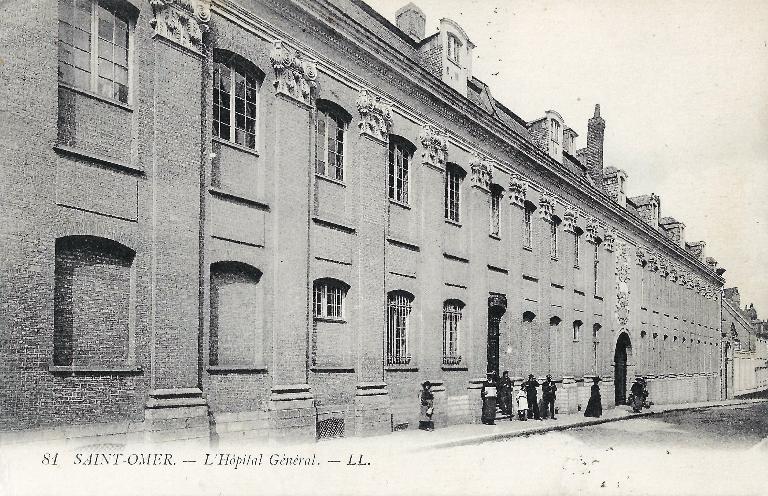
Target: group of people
<point>638,397</point>
<point>524,402</point>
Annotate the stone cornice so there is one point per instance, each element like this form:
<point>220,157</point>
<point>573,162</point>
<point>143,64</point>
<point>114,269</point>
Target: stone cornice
<point>364,46</point>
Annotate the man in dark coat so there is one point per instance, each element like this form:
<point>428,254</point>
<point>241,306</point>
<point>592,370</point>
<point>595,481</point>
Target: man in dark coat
<point>638,396</point>
<point>505,394</point>
<point>533,404</point>
<point>548,390</point>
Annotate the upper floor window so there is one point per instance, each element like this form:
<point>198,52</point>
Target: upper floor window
<point>577,247</point>
<point>235,102</point>
<point>554,133</point>
<point>329,295</point>
<point>452,312</point>
<point>453,177</point>
<point>330,132</point>
<point>553,228</point>
<point>399,305</point>
<point>400,153</point>
<point>527,225</point>
<point>496,194</point>
<point>94,47</point>
<point>576,330</point>
<point>453,48</point>
<point>596,268</point>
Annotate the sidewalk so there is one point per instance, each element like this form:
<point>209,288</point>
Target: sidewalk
<point>469,434</point>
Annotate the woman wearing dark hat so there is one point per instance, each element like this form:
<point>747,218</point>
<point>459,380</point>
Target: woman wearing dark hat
<point>427,407</point>
<point>595,405</point>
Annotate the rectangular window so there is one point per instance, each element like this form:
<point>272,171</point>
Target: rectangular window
<point>398,172</point>
<point>328,301</point>
<point>452,184</point>
<point>495,210</point>
<point>398,314</point>
<point>451,322</point>
<point>576,254</point>
<point>596,271</point>
<point>232,83</point>
<point>527,228</point>
<point>453,48</point>
<point>329,130</point>
<point>553,239</point>
<point>94,48</point>
<point>555,132</point>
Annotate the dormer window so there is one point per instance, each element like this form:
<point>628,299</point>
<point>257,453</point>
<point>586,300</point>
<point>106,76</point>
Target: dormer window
<point>453,48</point>
<point>554,131</point>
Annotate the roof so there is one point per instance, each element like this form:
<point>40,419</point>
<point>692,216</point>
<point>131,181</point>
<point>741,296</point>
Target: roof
<point>642,200</point>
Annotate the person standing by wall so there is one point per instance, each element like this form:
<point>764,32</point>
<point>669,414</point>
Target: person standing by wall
<point>505,395</point>
<point>427,399</point>
<point>595,405</point>
<point>533,404</point>
<point>522,403</point>
<point>488,393</point>
<point>548,393</point>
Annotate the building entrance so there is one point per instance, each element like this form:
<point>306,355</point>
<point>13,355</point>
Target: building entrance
<point>623,349</point>
<point>497,305</point>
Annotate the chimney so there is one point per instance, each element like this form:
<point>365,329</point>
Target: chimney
<point>411,20</point>
<point>594,153</point>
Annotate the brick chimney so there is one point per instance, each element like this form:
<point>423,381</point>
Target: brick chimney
<point>594,152</point>
<point>411,20</point>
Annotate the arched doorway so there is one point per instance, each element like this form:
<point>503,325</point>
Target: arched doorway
<point>497,306</point>
<point>623,351</point>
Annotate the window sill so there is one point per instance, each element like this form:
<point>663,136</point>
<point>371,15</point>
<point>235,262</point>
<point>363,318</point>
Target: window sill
<point>329,369</point>
<point>495,236</point>
<point>330,320</point>
<point>553,259</point>
<point>401,368</point>
<point>239,198</point>
<point>99,159</point>
<point>96,96</point>
<point>399,204</point>
<point>458,368</point>
<point>330,180</point>
<point>236,369</point>
<point>453,222</point>
<point>236,146</point>
<point>528,248</point>
<point>599,298</point>
<point>94,369</point>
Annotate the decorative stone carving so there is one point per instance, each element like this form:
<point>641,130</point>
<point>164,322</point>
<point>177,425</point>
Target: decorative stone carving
<point>610,240</point>
<point>294,76</point>
<point>375,116</point>
<point>518,188</point>
<point>663,269</point>
<point>622,283</point>
<point>570,217</point>
<point>652,263</point>
<point>682,278</point>
<point>673,274</point>
<point>640,257</point>
<point>434,147</point>
<point>182,21</point>
<point>546,206</point>
<point>481,172</point>
<point>592,230</point>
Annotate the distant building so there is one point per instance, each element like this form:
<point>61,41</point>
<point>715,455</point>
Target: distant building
<point>270,219</point>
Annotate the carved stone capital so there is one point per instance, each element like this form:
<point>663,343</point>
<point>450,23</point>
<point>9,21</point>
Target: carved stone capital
<point>182,21</point>
<point>547,206</point>
<point>652,262</point>
<point>640,257</point>
<point>375,116</point>
<point>592,232</point>
<point>673,274</point>
<point>481,172</point>
<point>434,147</point>
<point>663,268</point>
<point>518,188</point>
<point>294,76</point>
<point>682,278</point>
<point>570,217</point>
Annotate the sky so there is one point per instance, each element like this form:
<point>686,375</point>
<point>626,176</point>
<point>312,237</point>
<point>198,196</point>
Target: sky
<point>682,86</point>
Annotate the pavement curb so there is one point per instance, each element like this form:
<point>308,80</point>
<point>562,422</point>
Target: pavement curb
<point>586,423</point>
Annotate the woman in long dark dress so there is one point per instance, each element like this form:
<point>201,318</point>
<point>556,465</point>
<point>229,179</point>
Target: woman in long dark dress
<point>427,399</point>
<point>595,405</point>
<point>488,394</point>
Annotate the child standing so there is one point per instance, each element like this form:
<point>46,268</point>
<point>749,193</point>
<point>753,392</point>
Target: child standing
<point>522,404</point>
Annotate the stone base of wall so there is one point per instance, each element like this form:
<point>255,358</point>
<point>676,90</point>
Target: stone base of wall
<point>372,409</point>
<point>176,415</point>
<point>238,427</point>
<point>292,415</point>
<point>475,400</point>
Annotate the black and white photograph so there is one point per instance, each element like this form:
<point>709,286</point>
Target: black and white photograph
<point>381,247</point>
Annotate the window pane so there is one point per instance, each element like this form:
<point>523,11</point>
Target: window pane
<point>105,87</point>
<point>66,8</point>
<point>66,33</point>
<point>106,27</point>
<point>239,105</point>
<point>66,73</point>
<point>224,132</point>
<point>239,136</point>
<point>82,39</point>
<point>251,111</point>
<point>65,54</point>
<point>105,50</point>
<point>106,69</point>
<point>121,92</point>
<point>121,75</point>
<point>82,78</point>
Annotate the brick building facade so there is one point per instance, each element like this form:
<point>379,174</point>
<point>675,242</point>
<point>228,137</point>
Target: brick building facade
<point>262,218</point>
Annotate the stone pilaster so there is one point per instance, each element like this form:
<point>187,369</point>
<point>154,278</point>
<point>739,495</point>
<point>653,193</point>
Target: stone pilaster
<point>475,399</point>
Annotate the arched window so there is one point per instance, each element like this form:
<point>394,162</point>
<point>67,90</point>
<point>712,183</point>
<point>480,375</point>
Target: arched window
<point>331,122</point>
<point>453,177</point>
<point>577,330</point>
<point>237,309</point>
<point>94,46</point>
<point>527,225</point>
<point>596,332</point>
<point>577,232</point>
<point>93,302</point>
<point>236,85</point>
<point>528,316</point>
<point>496,194</point>
<point>452,311</point>
<point>328,300</point>
<point>400,154</point>
<point>399,305</point>
<point>553,228</point>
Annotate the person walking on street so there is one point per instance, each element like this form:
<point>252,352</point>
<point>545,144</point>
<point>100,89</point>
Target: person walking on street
<point>488,394</point>
<point>548,392</point>
<point>638,395</point>
<point>505,394</point>
<point>427,407</point>
<point>533,404</point>
<point>595,404</point>
<point>522,403</point>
